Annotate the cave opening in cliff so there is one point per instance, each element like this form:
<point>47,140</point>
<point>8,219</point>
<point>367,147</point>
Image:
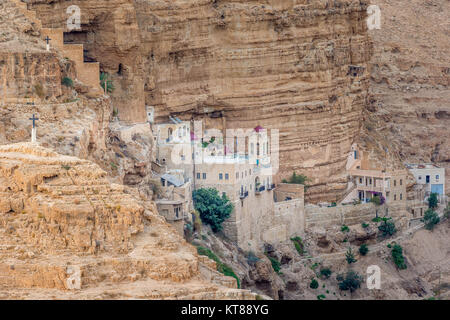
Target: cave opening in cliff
<point>80,37</point>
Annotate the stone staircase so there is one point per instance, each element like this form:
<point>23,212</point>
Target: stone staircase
<point>87,72</point>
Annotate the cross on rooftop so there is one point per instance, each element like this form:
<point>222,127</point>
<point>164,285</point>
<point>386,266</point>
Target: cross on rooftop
<point>47,39</point>
<point>34,120</point>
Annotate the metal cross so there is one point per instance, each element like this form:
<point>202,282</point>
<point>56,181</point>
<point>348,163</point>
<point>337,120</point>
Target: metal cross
<point>34,120</point>
<point>47,39</point>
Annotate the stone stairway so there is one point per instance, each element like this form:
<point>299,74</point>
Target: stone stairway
<point>87,72</point>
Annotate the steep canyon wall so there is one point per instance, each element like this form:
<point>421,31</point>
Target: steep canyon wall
<point>279,64</point>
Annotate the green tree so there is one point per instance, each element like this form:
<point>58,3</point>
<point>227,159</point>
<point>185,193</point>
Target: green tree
<point>387,227</point>
<point>213,209</point>
<point>106,81</point>
<point>363,249</point>
<point>351,281</point>
<point>397,255</point>
<point>349,256</point>
<point>431,218</point>
<point>325,272</point>
<point>433,200</point>
<point>314,284</point>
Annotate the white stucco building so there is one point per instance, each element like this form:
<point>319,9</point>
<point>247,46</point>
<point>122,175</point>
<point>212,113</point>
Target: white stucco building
<point>430,175</point>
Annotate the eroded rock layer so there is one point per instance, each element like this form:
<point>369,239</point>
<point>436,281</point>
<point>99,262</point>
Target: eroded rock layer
<point>410,98</point>
<point>280,64</point>
<point>63,226</point>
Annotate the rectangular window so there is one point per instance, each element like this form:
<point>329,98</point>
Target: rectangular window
<point>250,172</point>
<point>395,197</point>
<point>360,180</point>
<point>401,181</point>
<point>437,177</point>
<point>237,175</point>
<point>198,175</point>
<point>227,177</point>
<point>220,176</point>
<point>401,196</point>
<point>204,175</point>
<point>395,183</point>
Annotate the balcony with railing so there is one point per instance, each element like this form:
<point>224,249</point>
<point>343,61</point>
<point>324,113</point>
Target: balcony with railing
<point>243,195</point>
<point>260,189</point>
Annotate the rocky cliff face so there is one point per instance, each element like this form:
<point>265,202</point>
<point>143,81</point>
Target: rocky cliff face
<point>280,64</point>
<point>63,226</point>
<point>409,107</point>
<point>70,121</point>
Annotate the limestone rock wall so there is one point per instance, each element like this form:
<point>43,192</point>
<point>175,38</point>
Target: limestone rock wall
<point>409,95</point>
<point>63,226</point>
<point>279,64</point>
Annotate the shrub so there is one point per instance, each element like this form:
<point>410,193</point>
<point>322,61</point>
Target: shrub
<point>106,81</point>
<point>364,225</point>
<point>221,267</point>
<point>66,81</point>
<point>363,249</point>
<point>377,219</point>
<point>387,228</point>
<point>321,297</point>
<point>299,246</point>
<point>314,284</point>
<point>433,200</point>
<point>431,218</point>
<point>397,255</point>
<point>276,265</point>
<point>214,209</point>
<point>351,281</point>
<point>349,256</point>
<point>345,228</point>
<point>325,272</point>
<point>297,179</point>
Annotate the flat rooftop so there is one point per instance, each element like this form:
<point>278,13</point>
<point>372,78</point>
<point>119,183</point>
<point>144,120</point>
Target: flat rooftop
<point>422,166</point>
